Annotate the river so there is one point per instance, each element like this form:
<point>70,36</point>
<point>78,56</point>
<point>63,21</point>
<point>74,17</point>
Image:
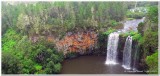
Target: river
<point>93,65</point>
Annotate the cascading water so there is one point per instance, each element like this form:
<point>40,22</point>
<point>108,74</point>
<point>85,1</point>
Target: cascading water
<point>127,53</point>
<point>136,57</point>
<point>113,39</point>
<point>134,61</point>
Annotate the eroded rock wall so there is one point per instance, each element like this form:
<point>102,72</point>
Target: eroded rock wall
<point>80,42</point>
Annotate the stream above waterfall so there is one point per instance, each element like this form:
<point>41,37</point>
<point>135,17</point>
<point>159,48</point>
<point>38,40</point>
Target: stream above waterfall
<point>132,24</point>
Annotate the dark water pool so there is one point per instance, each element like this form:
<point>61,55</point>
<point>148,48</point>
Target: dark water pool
<point>92,65</point>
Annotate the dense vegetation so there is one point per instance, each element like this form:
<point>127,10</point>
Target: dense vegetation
<point>21,21</point>
<point>150,37</point>
<point>60,17</point>
<point>19,55</point>
<point>147,38</point>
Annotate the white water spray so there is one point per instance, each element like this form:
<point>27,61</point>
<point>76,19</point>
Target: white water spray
<point>127,53</point>
<point>113,39</point>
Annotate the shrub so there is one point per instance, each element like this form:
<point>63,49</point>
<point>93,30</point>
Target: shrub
<point>9,40</point>
<point>48,57</point>
<point>136,15</point>
<point>130,18</point>
<point>57,68</point>
<point>113,23</point>
<point>152,62</point>
<point>71,55</point>
<point>110,30</point>
<point>10,63</point>
<point>140,27</point>
<point>135,35</point>
<point>153,14</point>
<point>38,67</point>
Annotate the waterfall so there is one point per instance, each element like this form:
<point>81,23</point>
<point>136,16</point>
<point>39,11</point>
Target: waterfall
<point>134,61</point>
<point>111,57</point>
<point>127,53</point>
<point>136,57</point>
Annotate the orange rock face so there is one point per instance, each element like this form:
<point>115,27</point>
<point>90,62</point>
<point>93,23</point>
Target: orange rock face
<point>77,42</point>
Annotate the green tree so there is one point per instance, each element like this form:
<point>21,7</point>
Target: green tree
<point>152,62</point>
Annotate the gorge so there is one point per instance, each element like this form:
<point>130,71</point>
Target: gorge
<point>112,60</point>
<point>59,37</point>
